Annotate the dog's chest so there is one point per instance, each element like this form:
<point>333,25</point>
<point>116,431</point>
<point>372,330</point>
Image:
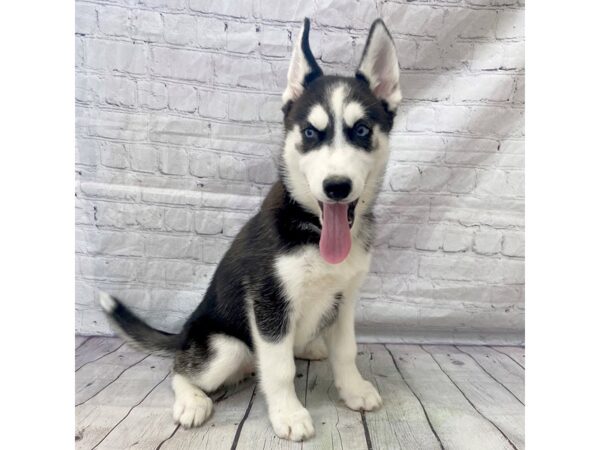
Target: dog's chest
<point>315,288</point>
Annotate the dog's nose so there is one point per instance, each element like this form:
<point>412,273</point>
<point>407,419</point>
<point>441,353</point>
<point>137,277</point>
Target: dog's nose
<point>337,188</point>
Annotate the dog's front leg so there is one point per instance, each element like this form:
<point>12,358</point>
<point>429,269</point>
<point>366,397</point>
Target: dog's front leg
<point>290,420</point>
<point>354,390</point>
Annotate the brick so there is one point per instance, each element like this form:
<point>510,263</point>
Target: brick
<point>262,171</point>
<point>177,130</point>
<point>405,178</point>
<point>461,180</point>
<point>233,223</point>
<point>174,161</point>
<point>114,155</point>
<point>426,87</point>
<point>243,106</point>
<point>487,242</point>
<point>519,93</point>
<point>478,23</point>
<point>484,87</point>
<point>88,88</point>
<point>152,94</point>
<point>213,104</point>
<point>337,48</point>
<point>110,269</point>
<point>204,164</point>
<point>235,9</point>
<point>177,219</point>
<point>116,56</point>
<point>434,178</point>
<point>88,151</point>
<point>117,125</point>
<point>471,269</point>
<point>242,37</point>
<point>113,21</point>
<point>412,19</point>
<point>496,121</point>
<point>188,273</point>
<point>114,243</point>
<point>293,10</point>
<point>143,158</point>
<point>227,70</point>
<point>497,55</point>
<point>270,110</point>
<point>513,244</point>
<point>429,238</point>
<point>275,41</point>
<point>170,4</point>
<point>457,241</point>
<point>146,26</point>
<point>181,64</point>
<point>162,246</point>
<point>402,236</point>
<point>211,33</point>
<point>214,250</point>
<point>208,222</point>
<point>182,98</point>
<point>231,168</point>
<point>511,24</point>
<point>420,118</point>
<point>396,261</point>
<point>86,18</point>
<point>119,91</point>
<point>180,29</point>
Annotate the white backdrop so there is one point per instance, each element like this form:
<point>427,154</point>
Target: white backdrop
<point>178,130</point>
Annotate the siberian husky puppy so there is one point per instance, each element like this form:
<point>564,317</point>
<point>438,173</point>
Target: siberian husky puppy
<point>287,285</point>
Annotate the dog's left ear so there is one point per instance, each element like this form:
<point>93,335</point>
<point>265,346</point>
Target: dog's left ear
<point>303,67</point>
<point>379,66</point>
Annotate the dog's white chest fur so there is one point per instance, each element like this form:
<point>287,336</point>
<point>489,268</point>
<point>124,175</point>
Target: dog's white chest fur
<point>311,285</point>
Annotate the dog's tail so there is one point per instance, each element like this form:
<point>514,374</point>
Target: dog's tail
<point>134,331</point>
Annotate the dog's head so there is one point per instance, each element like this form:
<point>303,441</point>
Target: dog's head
<point>336,142</point>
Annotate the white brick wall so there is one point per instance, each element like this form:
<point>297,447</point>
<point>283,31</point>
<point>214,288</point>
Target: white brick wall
<point>178,133</point>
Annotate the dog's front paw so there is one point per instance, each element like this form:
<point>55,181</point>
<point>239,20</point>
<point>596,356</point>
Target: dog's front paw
<point>192,410</point>
<point>295,425</point>
<point>361,395</point>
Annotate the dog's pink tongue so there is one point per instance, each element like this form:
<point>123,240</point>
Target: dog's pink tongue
<point>335,236</point>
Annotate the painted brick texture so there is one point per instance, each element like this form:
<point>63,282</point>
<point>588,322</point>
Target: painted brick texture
<point>178,132</point>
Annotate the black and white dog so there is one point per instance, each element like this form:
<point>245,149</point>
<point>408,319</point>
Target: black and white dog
<point>287,285</point>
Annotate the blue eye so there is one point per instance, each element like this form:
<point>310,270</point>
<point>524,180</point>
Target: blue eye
<point>362,131</point>
<point>310,133</point>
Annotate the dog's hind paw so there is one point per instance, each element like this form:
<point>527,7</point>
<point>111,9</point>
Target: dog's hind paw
<point>192,410</point>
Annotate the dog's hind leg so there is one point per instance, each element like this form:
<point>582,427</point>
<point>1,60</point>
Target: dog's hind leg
<point>202,369</point>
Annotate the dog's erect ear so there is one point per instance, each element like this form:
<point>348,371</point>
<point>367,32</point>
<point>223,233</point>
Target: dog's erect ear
<point>303,67</point>
<point>379,65</point>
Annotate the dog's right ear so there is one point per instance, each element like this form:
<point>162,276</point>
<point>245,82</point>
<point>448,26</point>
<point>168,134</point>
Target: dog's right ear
<point>303,67</point>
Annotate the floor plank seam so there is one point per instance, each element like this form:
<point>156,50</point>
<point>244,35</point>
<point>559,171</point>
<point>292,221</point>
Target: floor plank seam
<point>366,430</point>
<point>506,354</point>
<point>416,396</point>
<point>131,409</point>
<point>99,358</point>
<point>170,436</point>
<point>112,381</point>
<point>84,341</point>
<point>490,375</point>
<point>238,432</point>
<point>468,400</point>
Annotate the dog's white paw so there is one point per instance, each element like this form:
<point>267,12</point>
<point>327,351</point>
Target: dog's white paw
<point>315,351</point>
<point>294,425</point>
<point>192,410</point>
<point>361,395</point>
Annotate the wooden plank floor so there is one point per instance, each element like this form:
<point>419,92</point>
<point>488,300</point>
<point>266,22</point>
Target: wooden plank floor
<point>435,397</point>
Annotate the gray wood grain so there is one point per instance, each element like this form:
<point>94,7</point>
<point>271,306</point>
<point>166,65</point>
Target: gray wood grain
<point>402,422</point>
<point>491,399</point>
<point>100,414</point>
<point>80,340</point>
<point>94,349</point>
<point>458,424</point>
<point>256,431</point>
<point>336,426</point>
<point>517,354</point>
<point>220,429</point>
<point>95,376</point>
<point>500,367</point>
<point>147,425</point>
